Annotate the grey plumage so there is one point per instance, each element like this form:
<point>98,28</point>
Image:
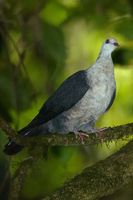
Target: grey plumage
<point>62,100</point>
<point>79,101</point>
<point>111,100</point>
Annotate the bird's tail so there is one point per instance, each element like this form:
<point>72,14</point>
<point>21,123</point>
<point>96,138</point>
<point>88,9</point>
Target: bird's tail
<point>12,148</point>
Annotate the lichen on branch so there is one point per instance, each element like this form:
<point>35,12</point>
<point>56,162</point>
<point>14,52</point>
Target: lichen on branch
<point>101,179</point>
<point>109,134</point>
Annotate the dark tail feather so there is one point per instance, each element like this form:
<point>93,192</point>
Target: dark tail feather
<point>12,148</point>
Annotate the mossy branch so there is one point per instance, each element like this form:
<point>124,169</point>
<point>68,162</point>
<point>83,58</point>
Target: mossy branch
<point>101,179</point>
<point>19,178</point>
<point>110,134</point>
<point>7,129</point>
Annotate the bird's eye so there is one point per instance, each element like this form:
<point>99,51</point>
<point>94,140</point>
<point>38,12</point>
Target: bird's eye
<point>107,41</point>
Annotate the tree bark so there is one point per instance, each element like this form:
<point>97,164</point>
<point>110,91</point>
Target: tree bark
<point>108,135</point>
<point>101,179</point>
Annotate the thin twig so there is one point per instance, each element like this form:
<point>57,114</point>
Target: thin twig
<point>19,178</point>
<point>7,129</point>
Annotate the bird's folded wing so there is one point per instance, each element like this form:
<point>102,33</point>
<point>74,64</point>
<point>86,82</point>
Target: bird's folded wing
<point>66,96</point>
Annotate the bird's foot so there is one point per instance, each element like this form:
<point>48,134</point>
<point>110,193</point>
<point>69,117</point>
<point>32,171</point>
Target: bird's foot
<point>66,141</point>
<point>100,133</point>
<point>81,136</point>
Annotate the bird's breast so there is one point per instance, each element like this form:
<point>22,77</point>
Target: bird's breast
<point>91,105</point>
<point>97,98</point>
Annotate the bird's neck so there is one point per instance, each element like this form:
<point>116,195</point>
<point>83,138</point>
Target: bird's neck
<point>103,63</point>
<point>104,55</point>
<point>104,58</point>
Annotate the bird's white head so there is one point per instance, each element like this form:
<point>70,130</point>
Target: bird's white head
<point>108,47</point>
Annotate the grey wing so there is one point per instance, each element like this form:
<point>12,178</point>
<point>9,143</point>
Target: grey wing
<point>111,101</point>
<point>66,96</point>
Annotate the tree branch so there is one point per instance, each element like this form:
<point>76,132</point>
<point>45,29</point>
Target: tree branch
<point>7,129</point>
<point>18,179</point>
<point>110,134</point>
<point>101,179</point>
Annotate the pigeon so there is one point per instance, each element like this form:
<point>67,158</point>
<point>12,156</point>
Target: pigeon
<point>78,103</point>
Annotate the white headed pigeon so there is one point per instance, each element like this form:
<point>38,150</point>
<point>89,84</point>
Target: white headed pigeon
<point>79,101</point>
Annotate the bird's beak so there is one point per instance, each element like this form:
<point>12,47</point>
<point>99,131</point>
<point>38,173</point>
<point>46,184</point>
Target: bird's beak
<point>116,44</point>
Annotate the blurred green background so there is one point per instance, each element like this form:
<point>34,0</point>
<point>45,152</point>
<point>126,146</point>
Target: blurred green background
<point>41,44</point>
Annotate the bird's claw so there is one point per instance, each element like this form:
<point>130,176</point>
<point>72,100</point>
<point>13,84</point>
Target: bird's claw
<point>100,133</point>
<point>81,136</point>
